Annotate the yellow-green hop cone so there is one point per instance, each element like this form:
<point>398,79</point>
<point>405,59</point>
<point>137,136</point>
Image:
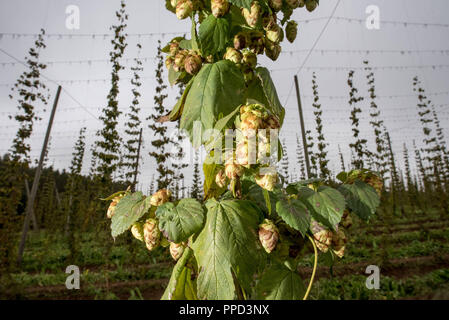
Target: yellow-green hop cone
<point>176,250</point>
<point>180,59</point>
<point>276,5</point>
<point>250,59</point>
<point>233,55</point>
<point>275,33</point>
<point>184,8</point>
<point>113,205</point>
<point>151,234</point>
<point>221,179</point>
<point>311,5</point>
<point>174,48</point>
<point>267,181</point>
<point>137,231</point>
<point>252,16</point>
<point>268,235</point>
<point>322,236</point>
<point>173,3</point>
<point>169,62</point>
<point>193,64</point>
<point>291,31</point>
<point>160,197</point>
<point>302,3</point>
<point>233,171</point>
<point>219,7</point>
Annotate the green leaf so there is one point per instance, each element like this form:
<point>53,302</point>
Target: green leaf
<point>217,90</point>
<point>213,35</point>
<point>295,214</point>
<point>174,76</point>
<point>181,286</point>
<point>342,176</point>
<point>227,244</point>
<point>176,113</point>
<point>130,209</point>
<point>361,198</point>
<point>112,196</point>
<point>270,92</point>
<point>242,3</point>
<point>179,222</point>
<point>296,187</point>
<point>256,94</point>
<point>328,205</point>
<point>256,194</point>
<point>280,283</point>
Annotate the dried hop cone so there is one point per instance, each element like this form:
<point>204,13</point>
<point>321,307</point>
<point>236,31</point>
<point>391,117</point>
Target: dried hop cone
<point>176,250</point>
<point>322,236</point>
<point>193,64</point>
<point>339,241</point>
<point>311,5</point>
<point>151,234</point>
<point>233,55</point>
<point>160,197</point>
<point>375,182</point>
<point>292,3</point>
<point>291,31</point>
<point>233,171</point>
<point>113,205</point>
<point>272,50</point>
<point>219,7</point>
<point>267,181</point>
<point>169,62</point>
<point>252,16</point>
<point>180,59</point>
<point>250,59</point>
<point>137,231</point>
<point>240,41</point>
<point>250,123</point>
<point>276,5</point>
<point>221,180</point>
<point>268,235</point>
<point>184,9</point>
<point>272,122</point>
<point>174,48</point>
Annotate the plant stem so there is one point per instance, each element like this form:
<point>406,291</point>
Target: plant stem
<point>314,268</point>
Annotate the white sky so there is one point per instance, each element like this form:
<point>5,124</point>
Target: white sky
<point>394,86</point>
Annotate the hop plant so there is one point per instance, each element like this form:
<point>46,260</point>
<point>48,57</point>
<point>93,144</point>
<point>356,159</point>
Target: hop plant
<point>184,9</point>
<point>193,63</point>
<point>240,41</point>
<point>137,231</point>
<point>151,234</point>
<point>221,179</point>
<point>113,205</point>
<point>176,250</point>
<point>267,181</point>
<point>160,197</point>
<point>268,235</point>
<point>219,7</point>
<point>180,59</point>
<point>276,5</point>
<point>252,16</point>
<point>233,55</point>
<point>291,31</point>
<point>275,33</point>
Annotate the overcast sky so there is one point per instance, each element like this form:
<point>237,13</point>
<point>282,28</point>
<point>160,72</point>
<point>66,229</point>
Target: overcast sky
<point>426,54</point>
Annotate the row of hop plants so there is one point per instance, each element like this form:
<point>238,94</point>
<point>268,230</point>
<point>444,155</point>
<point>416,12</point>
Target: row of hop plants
<point>244,240</point>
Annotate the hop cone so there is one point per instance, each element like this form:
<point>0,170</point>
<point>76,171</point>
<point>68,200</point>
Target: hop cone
<point>151,234</point>
<point>233,171</point>
<point>184,8</point>
<point>322,237</point>
<point>233,55</point>
<point>272,50</point>
<point>275,34</point>
<point>339,241</point>
<point>252,16</point>
<point>291,31</point>
<point>176,250</point>
<point>240,41</point>
<point>193,64</point>
<point>221,179</point>
<point>160,197</point>
<point>174,48</point>
<point>292,3</point>
<point>311,5</point>
<point>268,235</point>
<point>180,59</point>
<point>113,205</point>
<point>219,7</point>
<point>137,231</point>
<point>276,5</point>
<point>267,181</point>
<point>250,59</point>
